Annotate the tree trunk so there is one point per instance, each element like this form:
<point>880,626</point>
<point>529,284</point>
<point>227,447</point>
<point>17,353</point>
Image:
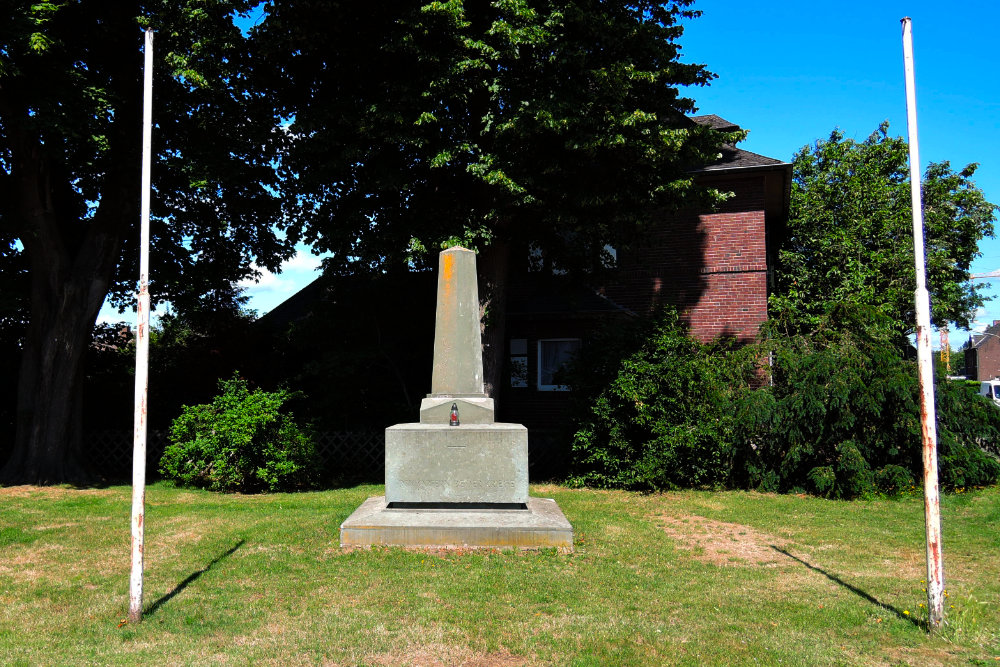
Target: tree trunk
<point>47,448</point>
<point>494,266</point>
<point>70,263</point>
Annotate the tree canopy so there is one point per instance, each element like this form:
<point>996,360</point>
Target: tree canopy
<point>558,123</point>
<point>850,234</point>
<point>70,129</point>
<point>375,134</point>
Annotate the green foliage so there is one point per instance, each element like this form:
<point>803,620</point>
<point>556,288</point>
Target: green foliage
<point>665,415</point>
<point>552,123</point>
<point>843,415</point>
<point>850,234</point>
<point>213,127</point>
<point>242,441</point>
<point>968,435</point>
<point>840,417</point>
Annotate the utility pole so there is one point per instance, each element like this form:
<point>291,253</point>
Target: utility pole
<point>142,350</point>
<point>932,497</point>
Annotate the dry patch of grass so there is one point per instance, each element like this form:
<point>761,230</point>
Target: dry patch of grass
<point>443,655</point>
<point>50,492</point>
<point>724,544</point>
<point>924,656</point>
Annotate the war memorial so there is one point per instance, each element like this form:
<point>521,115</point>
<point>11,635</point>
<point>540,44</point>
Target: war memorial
<point>457,478</point>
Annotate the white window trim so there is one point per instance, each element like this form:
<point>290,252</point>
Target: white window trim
<point>550,387</point>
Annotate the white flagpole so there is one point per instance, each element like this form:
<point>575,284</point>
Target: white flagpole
<point>142,350</point>
<point>932,498</point>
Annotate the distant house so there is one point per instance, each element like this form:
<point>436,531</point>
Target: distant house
<point>715,267</point>
<point>982,354</point>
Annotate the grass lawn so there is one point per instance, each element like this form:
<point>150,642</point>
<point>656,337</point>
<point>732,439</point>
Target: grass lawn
<point>680,578</point>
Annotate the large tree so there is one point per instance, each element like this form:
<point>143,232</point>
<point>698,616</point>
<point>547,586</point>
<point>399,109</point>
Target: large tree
<point>70,130</point>
<point>553,123</point>
<point>850,234</point>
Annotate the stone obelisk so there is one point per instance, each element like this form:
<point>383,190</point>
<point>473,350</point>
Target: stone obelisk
<point>477,460</point>
<point>457,378</point>
<point>457,477</point>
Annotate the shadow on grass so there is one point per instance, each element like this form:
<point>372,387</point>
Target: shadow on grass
<point>854,589</point>
<point>191,578</point>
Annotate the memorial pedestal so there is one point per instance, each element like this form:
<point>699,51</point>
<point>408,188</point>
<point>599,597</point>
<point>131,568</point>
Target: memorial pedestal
<point>541,525</point>
<point>474,463</point>
<point>457,478</point>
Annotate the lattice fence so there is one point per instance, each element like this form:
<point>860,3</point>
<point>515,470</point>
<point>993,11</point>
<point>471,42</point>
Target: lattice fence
<point>110,452</point>
<point>357,455</point>
<point>353,454</point>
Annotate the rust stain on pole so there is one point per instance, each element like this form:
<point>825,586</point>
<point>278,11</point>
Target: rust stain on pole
<point>932,500</point>
<point>142,350</point>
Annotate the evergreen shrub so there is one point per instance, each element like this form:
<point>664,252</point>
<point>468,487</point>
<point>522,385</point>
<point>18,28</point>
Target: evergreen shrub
<point>835,413</point>
<point>843,419</point>
<point>243,441</point>
<point>659,408</point>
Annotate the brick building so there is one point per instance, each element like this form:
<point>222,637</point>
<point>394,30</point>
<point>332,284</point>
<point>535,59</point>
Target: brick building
<point>713,266</point>
<point>982,354</point>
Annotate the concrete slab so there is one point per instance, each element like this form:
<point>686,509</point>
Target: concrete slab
<point>471,463</point>
<point>541,525</point>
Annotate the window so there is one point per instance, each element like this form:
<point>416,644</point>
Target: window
<point>553,354</point>
<point>518,362</point>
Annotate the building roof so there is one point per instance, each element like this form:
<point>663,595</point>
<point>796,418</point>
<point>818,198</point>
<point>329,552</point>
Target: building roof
<point>731,156</point>
<point>992,331</point>
<point>716,122</point>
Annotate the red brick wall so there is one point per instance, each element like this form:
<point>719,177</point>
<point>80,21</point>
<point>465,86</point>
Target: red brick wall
<point>987,355</point>
<point>713,266</point>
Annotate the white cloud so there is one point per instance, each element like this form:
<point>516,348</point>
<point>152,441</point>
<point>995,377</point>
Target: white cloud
<point>273,288</point>
<point>980,321</point>
<point>302,261</point>
<point>110,315</point>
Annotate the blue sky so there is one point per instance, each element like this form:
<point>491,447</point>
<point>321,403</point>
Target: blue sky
<point>791,72</point>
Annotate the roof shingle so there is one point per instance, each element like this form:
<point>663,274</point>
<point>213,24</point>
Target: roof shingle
<point>731,156</point>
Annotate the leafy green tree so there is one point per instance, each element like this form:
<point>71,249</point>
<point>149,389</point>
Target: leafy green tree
<point>850,238</point>
<point>556,123</point>
<point>70,130</point>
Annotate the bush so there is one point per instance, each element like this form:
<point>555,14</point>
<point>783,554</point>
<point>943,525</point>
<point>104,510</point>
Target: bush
<point>663,416</point>
<point>844,417</point>
<point>242,441</point>
<point>840,417</point>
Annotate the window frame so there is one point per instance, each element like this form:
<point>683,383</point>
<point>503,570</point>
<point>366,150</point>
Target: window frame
<point>538,374</point>
<point>518,360</point>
